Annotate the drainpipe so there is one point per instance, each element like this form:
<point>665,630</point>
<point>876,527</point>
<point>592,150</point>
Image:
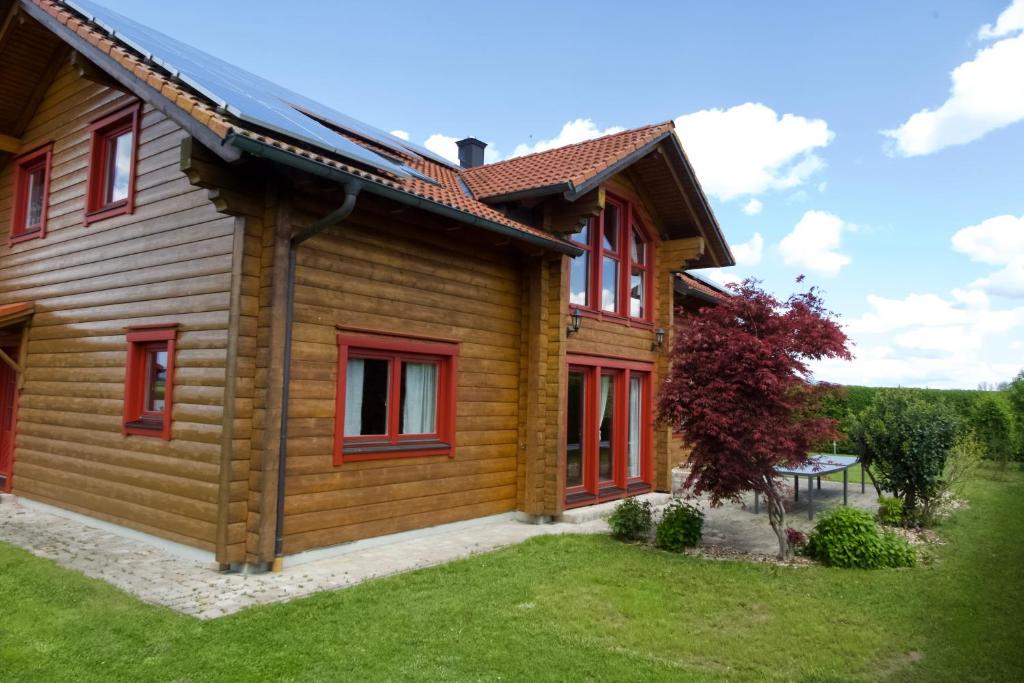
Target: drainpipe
<point>352,189</point>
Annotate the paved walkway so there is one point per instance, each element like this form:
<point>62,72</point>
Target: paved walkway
<point>738,527</point>
<point>161,577</point>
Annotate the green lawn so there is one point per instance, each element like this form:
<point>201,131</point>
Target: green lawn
<point>559,608</point>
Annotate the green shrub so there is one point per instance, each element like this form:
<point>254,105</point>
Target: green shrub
<point>680,527</point>
<point>992,422</point>
<point>631,520</point>
<point>903,441</point>
<point>848,537</point>
<point>890,510</point>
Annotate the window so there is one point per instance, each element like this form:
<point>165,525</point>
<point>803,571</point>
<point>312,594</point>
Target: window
<point>612,276</point>
<point>579,270</point>
<point>111,189</point>
<point>609,429</point>
<point>149,380</point>
<point>31,194</point>
<point>395,398</point>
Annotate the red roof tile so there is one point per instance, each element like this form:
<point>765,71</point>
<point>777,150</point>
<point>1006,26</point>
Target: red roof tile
<point>573,164</point>
<point>700,285</point>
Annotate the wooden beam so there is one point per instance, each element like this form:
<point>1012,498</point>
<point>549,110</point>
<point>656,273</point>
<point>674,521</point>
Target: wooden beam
<point>12,21</point>
<point>675,254</point>
<point>9,143</point>
<point>90,72</point>
<point>568,217</point>
<point>10,361</point>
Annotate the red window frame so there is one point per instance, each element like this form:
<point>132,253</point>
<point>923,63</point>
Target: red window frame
<point>594,489</point>
<point>103,130</point>
<point>637,236</point>
<point>595,253</point>
<point>40,158</point>
<point>137,419</point>
<point>394,445</point>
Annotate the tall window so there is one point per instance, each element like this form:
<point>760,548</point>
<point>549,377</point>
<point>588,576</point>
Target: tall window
<point>149,381</point>
<point>112,161</point>
<point>396,398</point>
<point>579,270</point>
<point>612,276</point>
<point>31,194</point>
<point>608,435</point>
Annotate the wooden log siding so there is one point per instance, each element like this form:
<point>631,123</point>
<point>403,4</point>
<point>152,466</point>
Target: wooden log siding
<point>169,261</point>
<point>380,272</point>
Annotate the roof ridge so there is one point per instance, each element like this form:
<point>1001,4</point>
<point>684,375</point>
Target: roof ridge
<point>638,129</point>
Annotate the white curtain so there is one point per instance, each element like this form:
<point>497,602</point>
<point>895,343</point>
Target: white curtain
<point>634,426</point>
<point>606,393</point>
<point>419,412</point>
<point>354,397</point>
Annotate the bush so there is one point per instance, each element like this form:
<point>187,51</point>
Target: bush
<point>993,426</point>
<point>848,537</point>
<point>903,441</point>
<point>631,520</point>
<point>890,510</point>
<point>680,527</point>
<point>961,464</point>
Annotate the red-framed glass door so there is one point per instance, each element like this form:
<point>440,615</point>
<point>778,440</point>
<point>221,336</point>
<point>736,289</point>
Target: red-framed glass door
<point>609,431</point>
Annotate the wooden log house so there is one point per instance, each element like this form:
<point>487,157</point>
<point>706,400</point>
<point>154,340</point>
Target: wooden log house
<point>258,332</point>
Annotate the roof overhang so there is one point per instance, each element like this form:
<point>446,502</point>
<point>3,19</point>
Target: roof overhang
<point>14,314</point>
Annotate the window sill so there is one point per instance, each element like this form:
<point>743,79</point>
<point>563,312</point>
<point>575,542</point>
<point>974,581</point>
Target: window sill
<point>26,236</point>
<point>145,427</point>
<point>614,318</point>
<point>107,212</point>
<point>357,452</point>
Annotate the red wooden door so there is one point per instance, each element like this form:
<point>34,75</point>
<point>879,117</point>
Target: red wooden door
<point>8,397</point>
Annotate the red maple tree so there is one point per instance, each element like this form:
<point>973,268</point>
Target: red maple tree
<point>740,392</point>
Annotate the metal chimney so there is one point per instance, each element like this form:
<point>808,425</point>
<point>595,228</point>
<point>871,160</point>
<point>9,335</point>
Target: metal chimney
<point>471,152</point>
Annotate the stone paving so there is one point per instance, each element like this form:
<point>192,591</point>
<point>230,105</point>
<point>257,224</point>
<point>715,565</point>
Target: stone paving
<point>159,576</point>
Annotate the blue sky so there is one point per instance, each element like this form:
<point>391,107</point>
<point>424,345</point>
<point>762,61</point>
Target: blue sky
<point>916,237</point>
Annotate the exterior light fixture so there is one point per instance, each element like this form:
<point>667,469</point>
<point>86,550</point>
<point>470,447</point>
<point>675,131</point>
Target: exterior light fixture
<point>574,323</point>
<point>659,338</point>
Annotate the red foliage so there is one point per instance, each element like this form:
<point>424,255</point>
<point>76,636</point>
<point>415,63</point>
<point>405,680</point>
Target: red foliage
<point>739,387</point>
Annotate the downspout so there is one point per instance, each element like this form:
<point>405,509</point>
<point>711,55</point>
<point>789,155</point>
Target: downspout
<point>352,189</point>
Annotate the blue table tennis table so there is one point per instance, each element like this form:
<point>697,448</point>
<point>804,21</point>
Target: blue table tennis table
<point>817,465</point>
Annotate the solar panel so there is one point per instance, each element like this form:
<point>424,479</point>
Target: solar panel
<point>246,95</point>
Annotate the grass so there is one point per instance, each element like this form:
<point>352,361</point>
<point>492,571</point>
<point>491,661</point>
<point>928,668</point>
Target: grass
<point>556,608</point>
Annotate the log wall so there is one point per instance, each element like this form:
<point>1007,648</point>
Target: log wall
<point>168,262</point>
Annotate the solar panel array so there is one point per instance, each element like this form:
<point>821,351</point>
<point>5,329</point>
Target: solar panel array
<point>252,98</point>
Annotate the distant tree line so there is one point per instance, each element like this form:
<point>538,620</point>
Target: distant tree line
<point>994,415</point>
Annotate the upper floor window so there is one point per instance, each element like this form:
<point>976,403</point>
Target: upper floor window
<point>112,160</point>
<point>396,398</point>
<point>31,194</point>
<point>613,274</point>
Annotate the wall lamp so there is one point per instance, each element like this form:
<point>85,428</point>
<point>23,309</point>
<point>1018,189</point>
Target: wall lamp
<point>575,320</point>
<point>659,338</point>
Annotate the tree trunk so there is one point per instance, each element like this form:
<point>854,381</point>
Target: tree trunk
<point>777,518</point>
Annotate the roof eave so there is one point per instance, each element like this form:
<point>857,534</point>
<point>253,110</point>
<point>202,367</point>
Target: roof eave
<point>720,245</point>
<point>278,155</point>
<point>615,168</point>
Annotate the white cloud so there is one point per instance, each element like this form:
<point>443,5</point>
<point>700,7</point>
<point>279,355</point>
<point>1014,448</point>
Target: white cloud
<point>987,93</point>
<point>753,207</point>
<point>997,241</point>
<point>444,145</point>
<point>749,149</point>
<point>930,340</point>
<point>813,243</point>
<point>403,134</point>
<point>1011,20</point>
<point>749,253</point>
<point>571,133</point>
